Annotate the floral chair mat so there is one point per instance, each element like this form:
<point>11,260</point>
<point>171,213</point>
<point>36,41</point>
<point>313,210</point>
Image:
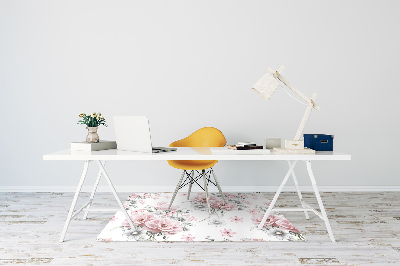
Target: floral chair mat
<point>189,220</point>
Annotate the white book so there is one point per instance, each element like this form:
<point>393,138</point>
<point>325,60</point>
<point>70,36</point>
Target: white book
<point>226,151</point>
<point>86,146</point>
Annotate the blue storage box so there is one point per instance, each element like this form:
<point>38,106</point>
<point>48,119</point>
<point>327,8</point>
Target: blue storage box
<point>318,142</point>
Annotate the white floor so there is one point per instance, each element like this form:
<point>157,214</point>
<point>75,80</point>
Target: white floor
<point>366,226</point>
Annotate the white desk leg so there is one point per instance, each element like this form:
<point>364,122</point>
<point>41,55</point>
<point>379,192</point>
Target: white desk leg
<point>321,205</point>
<point>299,192</point>
<point>115,194</point>
<point>93,192</point>
<point>271,205</point>
<point>71,210</point>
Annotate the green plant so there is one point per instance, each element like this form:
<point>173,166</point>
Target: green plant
<point>93,120</point>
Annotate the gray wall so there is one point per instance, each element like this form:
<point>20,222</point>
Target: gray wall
<point>190,64</point>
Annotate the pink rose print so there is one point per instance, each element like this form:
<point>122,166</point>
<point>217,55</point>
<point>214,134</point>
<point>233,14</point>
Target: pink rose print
<point>258,239</point>
<point>254,211</point>
<point>216,204</point>
<point>164,206</point>
<point>236,219</point>
<point>156,196</point>
<point>113,219</point>
<point>229,207</point>
<point>170,213</point>
<point>142,202</point>
<point>133,212</point>
<point>229,196</point>
<point>161,203</point>
<point>227,232</point>
<point>133,196</point>
<point>141,219</point>
<point>200,197</point>
<point>138,219</point>
<point>164,225</point>
<point>270,220</point>
<point>286,225</point>
<point>189,237</point>
<point>266,203</point>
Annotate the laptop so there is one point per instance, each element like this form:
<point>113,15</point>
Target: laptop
<point>133,134</point>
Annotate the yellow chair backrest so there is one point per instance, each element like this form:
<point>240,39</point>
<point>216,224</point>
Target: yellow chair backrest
<point>204,137</point>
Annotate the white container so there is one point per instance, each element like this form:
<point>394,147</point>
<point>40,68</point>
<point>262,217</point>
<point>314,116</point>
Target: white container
<point>294,144</point>
<point>271,143</point>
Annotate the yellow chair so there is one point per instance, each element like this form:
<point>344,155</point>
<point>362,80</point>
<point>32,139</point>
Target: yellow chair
<point>204,137</point>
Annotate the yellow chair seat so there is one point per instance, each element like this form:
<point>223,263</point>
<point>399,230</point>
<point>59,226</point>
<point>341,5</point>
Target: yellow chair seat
<point>191,164</point>
<point>204,137</point>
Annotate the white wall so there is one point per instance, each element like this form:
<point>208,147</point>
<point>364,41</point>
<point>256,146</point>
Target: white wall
<point>189,64</point>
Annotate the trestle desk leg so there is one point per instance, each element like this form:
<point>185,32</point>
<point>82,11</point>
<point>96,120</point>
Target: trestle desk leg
<point>71,210</point>
<point>93,192</point>
<point>115,194</point>
<point>276,195</point>
<point>321,205</point>
<point>299,192</point>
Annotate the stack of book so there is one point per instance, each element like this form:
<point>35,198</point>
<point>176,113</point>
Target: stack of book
<point>245,146</point>
<point>240,148</point>
<point>98,146</point>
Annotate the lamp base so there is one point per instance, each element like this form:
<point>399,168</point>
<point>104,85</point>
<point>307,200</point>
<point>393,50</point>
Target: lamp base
<point>293,151</point>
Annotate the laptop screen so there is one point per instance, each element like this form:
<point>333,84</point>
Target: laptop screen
<point>132,133</point>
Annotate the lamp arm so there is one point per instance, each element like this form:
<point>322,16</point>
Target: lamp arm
<point>305,117</point>
<point>293,88</point>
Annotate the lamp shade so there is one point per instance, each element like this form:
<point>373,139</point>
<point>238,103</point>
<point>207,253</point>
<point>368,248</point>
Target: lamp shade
<point>266,86</point>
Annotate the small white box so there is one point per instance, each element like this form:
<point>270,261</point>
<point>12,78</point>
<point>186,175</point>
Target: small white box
<point>294,144</point>
<point>271,143</point>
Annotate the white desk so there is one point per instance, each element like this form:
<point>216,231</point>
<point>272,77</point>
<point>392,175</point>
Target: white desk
<point>194,154</point>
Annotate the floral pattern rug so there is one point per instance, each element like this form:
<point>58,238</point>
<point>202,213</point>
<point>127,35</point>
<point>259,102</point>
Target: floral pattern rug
<point>189,220</point>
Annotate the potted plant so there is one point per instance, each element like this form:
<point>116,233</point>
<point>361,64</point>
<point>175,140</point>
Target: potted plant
<point>92,123</point>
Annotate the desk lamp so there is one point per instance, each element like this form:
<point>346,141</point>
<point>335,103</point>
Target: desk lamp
<point>266,86</point>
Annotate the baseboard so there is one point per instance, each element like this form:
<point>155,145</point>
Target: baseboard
<point>196,189</point>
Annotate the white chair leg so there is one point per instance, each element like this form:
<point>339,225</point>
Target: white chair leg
<point>177,188</point>
<point>190,184</point>
<point>321,205</point>
<point>218,186</point>
<point>206,190</point>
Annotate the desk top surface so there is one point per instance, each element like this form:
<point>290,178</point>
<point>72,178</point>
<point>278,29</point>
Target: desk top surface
<point>186,153</point>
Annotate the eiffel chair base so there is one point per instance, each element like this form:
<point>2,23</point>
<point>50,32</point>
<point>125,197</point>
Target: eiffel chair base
<point>191,178</point>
